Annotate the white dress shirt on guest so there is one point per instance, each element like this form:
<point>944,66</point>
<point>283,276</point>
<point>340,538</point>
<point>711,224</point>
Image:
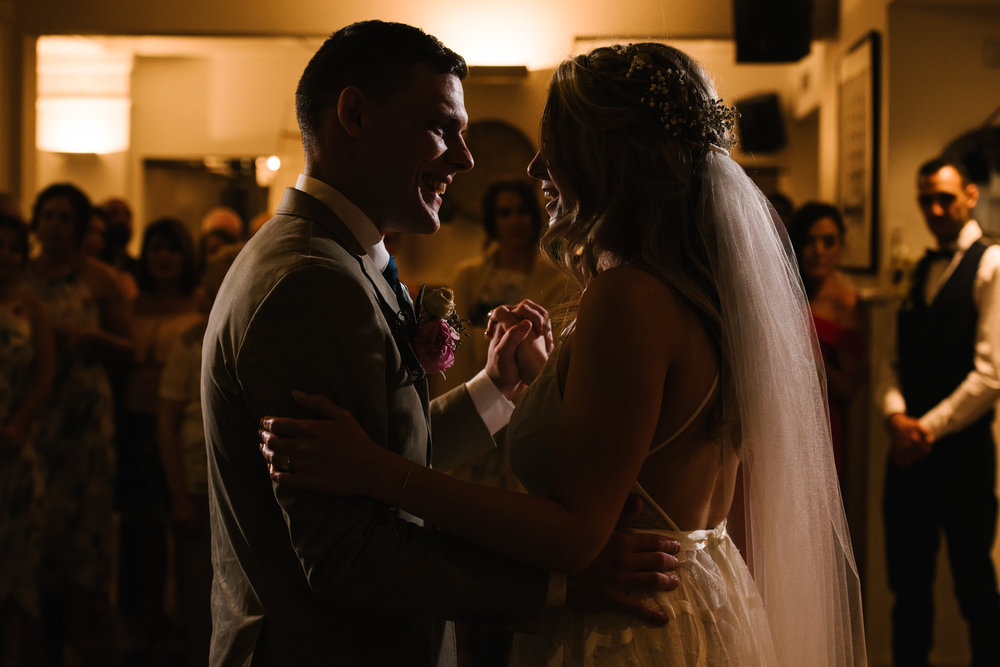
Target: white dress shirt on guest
<point>980,389</point>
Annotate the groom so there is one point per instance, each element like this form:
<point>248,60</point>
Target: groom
<point>306,579</point>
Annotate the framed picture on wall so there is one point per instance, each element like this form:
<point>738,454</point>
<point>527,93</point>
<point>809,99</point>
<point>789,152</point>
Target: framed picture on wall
<point>858,86</point>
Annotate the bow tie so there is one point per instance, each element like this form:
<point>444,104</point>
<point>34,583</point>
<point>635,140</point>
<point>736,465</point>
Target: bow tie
<point>943,253</point>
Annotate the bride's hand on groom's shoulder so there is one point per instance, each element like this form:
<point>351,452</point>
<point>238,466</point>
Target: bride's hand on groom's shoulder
<point>628,562</point>
<point>520,343</point>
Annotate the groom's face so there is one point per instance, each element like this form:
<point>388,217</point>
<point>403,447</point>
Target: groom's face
<point>416,147</point>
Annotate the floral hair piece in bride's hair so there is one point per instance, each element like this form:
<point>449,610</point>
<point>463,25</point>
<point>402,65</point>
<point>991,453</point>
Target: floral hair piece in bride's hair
<point>690,123</point>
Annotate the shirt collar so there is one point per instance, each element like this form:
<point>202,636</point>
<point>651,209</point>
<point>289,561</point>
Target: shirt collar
<point>354,218</point>
<point>968,235</point>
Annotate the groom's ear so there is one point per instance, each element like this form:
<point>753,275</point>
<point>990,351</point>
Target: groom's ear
<point>351,110</point>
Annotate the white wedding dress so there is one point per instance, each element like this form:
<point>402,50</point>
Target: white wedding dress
<point>716,614</point>
<point>800,601</point>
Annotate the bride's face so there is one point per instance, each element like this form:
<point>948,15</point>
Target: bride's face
<point>538,170</point>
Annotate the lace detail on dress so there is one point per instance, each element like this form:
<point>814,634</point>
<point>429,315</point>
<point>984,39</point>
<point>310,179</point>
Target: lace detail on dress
<point>716,616</point>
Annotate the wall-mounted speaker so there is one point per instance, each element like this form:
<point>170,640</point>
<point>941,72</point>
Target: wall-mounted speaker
<point>772,31</point>
<point>760,123</point>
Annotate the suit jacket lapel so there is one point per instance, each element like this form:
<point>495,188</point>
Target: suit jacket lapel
<point>385,291</point>
<point>422,391</point>
<point>298,203</point>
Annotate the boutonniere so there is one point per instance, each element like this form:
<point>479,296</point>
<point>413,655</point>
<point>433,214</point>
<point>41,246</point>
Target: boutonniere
<point>438,329</point>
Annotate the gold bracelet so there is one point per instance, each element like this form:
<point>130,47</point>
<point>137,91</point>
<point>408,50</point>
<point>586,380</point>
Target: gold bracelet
<point>402,487</point>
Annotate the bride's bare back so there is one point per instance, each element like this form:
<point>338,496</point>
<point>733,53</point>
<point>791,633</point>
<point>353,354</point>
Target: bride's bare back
<point>693,476</point>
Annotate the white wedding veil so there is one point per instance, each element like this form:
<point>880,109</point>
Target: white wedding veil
<point>664,194</point>
<point>799,549</point>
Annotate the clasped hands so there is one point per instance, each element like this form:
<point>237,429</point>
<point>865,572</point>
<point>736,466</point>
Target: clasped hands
<point>909,441</point>
<point>520,343</point>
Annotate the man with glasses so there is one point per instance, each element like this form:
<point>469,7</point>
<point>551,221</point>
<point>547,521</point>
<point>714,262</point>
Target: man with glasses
<point>939,411</point>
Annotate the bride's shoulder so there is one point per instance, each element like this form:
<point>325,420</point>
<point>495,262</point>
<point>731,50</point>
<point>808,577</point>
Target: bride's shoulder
<point>626,303</point>
<point>628,289</point>
<point>629,280</point>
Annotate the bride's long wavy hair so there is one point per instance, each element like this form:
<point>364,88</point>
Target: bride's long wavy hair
<point>629,177</point>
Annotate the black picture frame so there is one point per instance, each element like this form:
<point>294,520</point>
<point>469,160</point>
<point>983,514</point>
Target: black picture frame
<point>859,87</point>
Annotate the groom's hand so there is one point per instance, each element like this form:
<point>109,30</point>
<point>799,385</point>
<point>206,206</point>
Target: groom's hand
<point>629,562</point>
<point>520,343</point>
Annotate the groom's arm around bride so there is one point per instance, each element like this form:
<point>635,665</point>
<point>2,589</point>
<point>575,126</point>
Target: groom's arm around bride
<point>307,579</point>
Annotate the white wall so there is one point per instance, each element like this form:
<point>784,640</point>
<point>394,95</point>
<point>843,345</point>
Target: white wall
<point>940,88</point>
<point>936,88</point>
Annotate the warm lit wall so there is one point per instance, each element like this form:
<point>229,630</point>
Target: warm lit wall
<point>936,88</point>
<point>8,82</point>
<point>236,104</point>
<point>535,33</point>
<point>940,89</point>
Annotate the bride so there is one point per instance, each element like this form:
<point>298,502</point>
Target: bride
<point>691,359</point>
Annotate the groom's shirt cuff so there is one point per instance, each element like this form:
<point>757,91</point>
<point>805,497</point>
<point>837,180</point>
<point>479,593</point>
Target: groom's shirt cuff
<point>493,407</point>
<point>556,595</point>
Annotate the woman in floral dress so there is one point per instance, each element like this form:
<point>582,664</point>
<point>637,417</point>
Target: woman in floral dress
<point>26,360</point>
<point>76,432</point>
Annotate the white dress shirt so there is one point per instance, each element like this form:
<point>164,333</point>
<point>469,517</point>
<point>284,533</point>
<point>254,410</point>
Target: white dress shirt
<point>980,389</point>
<point>492,406</point>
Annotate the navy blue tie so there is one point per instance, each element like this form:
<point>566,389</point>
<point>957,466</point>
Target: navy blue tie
<point>391,275</point>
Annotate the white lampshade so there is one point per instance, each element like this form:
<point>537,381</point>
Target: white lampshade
<point>83,124</point>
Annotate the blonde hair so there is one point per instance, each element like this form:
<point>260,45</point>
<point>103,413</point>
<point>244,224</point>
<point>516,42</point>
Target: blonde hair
<point>629,182</point>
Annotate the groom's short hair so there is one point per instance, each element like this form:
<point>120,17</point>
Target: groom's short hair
<point>375,56</point>
<point>934,165</point>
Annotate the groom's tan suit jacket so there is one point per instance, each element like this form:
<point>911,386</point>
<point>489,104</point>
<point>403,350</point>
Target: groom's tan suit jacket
<point>308,579</point>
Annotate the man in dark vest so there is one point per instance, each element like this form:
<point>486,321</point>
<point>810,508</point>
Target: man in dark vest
<point>941,469</point>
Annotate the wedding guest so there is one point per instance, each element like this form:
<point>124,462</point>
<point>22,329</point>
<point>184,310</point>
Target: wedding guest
<point>511,268</point>
<point>27,359</point>
<point>97,228</point>
<point>817,234</point>
<point>75,434</point>
<point>939,406</point>
<point>118,218</point>
<point>167,306</point>
<point>181,439</point>
<point>692,327</point>
<point>220,226</point>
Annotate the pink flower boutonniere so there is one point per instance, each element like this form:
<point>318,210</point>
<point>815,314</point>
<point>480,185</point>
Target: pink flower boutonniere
<point>438,331</point>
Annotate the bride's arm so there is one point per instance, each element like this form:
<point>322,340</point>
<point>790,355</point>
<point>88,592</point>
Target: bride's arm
<point>614,385</point>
